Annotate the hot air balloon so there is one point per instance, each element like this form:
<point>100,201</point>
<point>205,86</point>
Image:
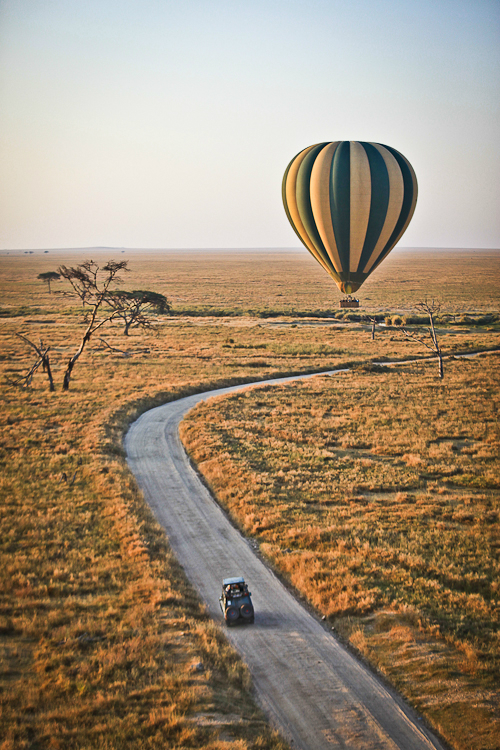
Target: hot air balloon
<point>349,202</point>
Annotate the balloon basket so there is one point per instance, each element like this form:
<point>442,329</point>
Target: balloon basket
<point>350,302</point>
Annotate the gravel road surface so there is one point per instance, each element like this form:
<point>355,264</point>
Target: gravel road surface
<point>312,689</point>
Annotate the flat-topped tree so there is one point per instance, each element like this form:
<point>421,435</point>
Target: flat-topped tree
<point>134,307</point>
<point>48,277</point>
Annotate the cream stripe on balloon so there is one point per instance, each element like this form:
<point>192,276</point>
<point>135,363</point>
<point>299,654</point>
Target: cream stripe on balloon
<point>290,193</point>
<point>320,202</point>
<point>361,196</point>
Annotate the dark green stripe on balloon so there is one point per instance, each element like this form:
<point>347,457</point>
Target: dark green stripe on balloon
<point>340,200</point>
<point>380,190</point>
<point>409,193</point>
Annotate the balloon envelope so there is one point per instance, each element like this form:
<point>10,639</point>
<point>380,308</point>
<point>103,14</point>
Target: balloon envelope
<point>349,202</point>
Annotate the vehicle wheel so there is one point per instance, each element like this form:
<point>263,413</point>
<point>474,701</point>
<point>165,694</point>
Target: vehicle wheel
<point>246,611</point>
<point>231,615</point>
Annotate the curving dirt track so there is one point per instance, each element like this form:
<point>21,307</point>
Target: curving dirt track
<point>313,690</point>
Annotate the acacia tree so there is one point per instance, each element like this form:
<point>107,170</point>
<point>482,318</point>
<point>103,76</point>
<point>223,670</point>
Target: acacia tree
<point>429,339</point>
<point>92,285</point>
<point>49,276</point>
<point>134,307</point>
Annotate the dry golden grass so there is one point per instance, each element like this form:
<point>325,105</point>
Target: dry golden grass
<point>270,282</point>
<point>376,495</point>
<point>99,630</point>
<point>98,636</point>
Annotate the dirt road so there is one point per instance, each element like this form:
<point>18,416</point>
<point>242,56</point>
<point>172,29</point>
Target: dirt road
<point>313,690</point>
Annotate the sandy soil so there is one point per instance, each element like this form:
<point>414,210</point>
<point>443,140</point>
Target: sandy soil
<point>313,690</point>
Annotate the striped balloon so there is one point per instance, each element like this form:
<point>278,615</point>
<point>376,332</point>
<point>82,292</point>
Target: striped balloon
<point>349,202</point>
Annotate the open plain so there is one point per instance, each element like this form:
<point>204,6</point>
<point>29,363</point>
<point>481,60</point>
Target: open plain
<point>101,636</point>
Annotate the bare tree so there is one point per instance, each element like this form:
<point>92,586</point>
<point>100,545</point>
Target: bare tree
<point>374,322</point>
<point>42,359</point>
<point>92,285</point>
<point>135,307</point>
<point>430,338</point>
<point>49,276</point>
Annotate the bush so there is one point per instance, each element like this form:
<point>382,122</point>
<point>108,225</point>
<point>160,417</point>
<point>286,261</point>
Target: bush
<point>414,320</point>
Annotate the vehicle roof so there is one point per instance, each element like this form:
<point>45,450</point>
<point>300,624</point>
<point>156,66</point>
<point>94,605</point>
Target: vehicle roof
<point>229,581</point>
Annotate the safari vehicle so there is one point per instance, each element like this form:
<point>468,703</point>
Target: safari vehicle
<point>235,601</point>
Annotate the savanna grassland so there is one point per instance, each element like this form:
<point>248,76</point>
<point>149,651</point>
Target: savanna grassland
<point>374,493</point>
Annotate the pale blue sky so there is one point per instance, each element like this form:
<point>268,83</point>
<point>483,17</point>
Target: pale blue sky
<point>169,123</point>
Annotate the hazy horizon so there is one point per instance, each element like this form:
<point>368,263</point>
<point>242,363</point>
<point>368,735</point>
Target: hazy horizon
<point>104,248</point>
